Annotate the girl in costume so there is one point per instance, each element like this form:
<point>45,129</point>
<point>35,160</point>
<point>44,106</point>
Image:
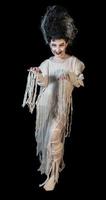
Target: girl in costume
<point>57,77</point>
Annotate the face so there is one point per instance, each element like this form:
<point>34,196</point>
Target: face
<point>58,47</point>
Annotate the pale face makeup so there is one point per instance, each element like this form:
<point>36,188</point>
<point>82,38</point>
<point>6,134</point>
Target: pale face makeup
<point>58,48</point>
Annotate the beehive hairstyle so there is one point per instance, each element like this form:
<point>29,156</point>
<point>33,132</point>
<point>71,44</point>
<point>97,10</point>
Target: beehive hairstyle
<point>58,24</point>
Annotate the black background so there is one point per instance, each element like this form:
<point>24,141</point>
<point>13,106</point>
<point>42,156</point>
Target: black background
<point>82,155</point>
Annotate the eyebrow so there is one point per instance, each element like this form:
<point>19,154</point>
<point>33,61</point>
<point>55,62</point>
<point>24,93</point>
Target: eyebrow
<point>59,44</point>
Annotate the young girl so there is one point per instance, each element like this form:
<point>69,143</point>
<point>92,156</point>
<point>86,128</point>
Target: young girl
<point>57,77</point>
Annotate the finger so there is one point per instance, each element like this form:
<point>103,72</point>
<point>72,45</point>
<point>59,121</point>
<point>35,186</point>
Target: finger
<point>29,70</point>
<point>38,70</point>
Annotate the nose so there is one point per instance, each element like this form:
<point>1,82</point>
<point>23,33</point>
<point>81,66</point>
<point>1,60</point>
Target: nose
<point>58,50</point>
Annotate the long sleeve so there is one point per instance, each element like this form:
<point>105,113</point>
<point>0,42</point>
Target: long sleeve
<point>76,75</point>
<point>42,78</point>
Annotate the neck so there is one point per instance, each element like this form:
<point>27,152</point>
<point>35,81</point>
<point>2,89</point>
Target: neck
<point>62,57</point>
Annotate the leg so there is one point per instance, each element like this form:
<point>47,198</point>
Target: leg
<point>55,149</point>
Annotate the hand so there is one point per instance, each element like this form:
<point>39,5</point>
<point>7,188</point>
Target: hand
<point>64,77</point>
<point>81,77</point>
<point>34,70</point>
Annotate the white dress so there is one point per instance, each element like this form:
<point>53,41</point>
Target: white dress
<point>54,109</point>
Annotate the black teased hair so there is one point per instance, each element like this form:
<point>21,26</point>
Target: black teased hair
<point>58,24</point>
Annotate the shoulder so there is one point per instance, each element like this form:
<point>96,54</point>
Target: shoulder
<point>45,62</point>
<point>75,59</point>
<point>44,67</point>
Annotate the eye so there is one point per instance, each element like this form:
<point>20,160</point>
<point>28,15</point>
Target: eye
<point>53,45</point>
<point>61,45</point>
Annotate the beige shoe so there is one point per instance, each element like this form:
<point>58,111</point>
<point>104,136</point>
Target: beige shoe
<point>50,185</point>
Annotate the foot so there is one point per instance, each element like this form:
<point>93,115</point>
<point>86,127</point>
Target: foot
<point>50,185</point>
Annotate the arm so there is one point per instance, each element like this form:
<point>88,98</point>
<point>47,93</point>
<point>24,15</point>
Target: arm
<point>76,75</point>
<point>77,80</point>
<point>40,78</point>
